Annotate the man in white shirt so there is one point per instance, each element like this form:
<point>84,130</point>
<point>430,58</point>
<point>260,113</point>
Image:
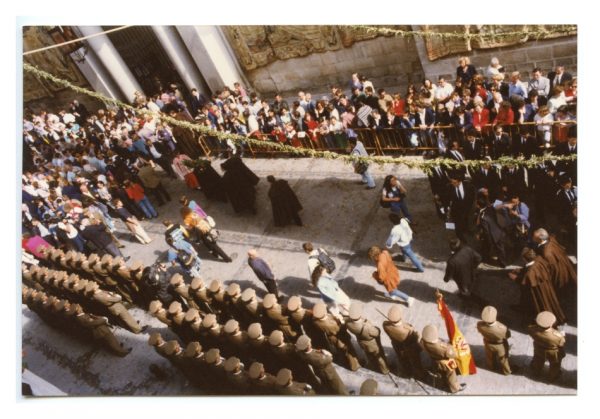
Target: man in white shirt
<point>443,91</point>
<point>401,235</point>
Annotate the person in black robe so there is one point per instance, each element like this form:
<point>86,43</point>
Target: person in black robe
<point>491,234</point>
<point>239,182</point>
<point>284,202</point>
<point>462,267</point>
<point>211,181</point>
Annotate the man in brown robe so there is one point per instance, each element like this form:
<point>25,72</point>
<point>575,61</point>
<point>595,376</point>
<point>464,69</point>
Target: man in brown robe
<point>561,268</point>
<point>535,277</point>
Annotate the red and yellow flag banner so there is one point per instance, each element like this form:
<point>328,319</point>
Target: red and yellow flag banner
<point>465,361</point>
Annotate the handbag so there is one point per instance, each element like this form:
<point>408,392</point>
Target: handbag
<point>361,167</point>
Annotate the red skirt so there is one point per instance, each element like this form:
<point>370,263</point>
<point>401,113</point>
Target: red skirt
<point>191,181</point>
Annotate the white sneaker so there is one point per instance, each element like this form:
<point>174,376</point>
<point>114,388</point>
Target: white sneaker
<point>410,301</point>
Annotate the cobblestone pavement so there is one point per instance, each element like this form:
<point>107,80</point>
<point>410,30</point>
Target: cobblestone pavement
<point>341,216</point>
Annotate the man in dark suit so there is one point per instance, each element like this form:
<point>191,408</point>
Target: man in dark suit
<point>567,149</point>
<point>487,177</point>
<point>491,234</point>
<point>566,205</point>
<point>499,142</point>
<point>197,102</point>
<point>559,77</point>
<point>515,180</point>
<point>454,154</point>
<point>472,148</point>
<point>524,144</point>
<point>460,197</point>
<point>462,266</point>
<point>438,180</point>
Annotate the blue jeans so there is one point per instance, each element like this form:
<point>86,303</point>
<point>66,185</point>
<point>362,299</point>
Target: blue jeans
<point>147,208</point>
<point>397,293</point>
<point>396,207</point>
<point>368,179</point>
<point>407,250</point>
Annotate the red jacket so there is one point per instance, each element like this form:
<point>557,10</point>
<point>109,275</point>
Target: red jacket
<point>135,192</point>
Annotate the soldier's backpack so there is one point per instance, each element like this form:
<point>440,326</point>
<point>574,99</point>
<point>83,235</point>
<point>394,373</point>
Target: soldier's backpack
<point>325,261</point>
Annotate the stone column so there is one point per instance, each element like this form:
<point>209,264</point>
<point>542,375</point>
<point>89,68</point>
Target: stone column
<point>110,57</point>
<point>95,73</point>
<point>180,57</point>
<point>212,55</point>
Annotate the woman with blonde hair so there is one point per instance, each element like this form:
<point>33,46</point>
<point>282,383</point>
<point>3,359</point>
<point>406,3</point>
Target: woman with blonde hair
<point>465,70</point>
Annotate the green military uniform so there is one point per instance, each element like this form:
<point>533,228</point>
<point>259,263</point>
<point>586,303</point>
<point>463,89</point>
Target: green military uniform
<point>337,336</point>
<point>322,363</point>
<point>368,338</point>
<point>443,355</point>
<point>261,382</point>
<point>405,341</point>
<point>548,345</point>
<point>274,311</point>
<point>495,340</point>
<point>286,386</point>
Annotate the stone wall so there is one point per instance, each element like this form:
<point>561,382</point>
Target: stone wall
<point>394,63</point>
<point>545,54</point>
<point>390,62</point>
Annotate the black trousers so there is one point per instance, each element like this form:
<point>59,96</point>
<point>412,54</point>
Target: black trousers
<point>214,248</point>
<point>271,285</point>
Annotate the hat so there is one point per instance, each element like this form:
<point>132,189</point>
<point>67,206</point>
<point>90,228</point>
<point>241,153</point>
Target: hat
<point>368,387</point>
<point>254,330</point>
<point>256,370</point>
<point>175,307</point>
<point>91,287</point>
<point>294,303</point>
<point>176,279</point>
<point>395,314</point>
<point>106,259</point>
<point>212,356</point>
<point>355,311</point>
<point>319,310</point>
<point>80,285</point>
<point>430,334</point>
<point>171,347</point>
<point>69,255</point>
<point>233,289</point>
<point>284,377</point>
<point>232,364</point>
<point>197,283</point>
<point>303,343</point>
<point>489,314</point>
<point>269,301</point>
<point>118,261</point>
<point>154,339</point>
<point>59,305</point>
<point>209,321</point>
<point>545,319</point>
<point>93,258</point>
<point>248,294</point>
<point>276,338</point>
<point>56,253</point>
<point>191,315</point>
<point>232,326</point>
<point>136,265</point>
<point>155,306</point>
<point>214,286</point>
<point>192,349</point>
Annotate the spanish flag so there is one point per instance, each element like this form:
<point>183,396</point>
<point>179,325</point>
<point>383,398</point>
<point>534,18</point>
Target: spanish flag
<point>466,363</point>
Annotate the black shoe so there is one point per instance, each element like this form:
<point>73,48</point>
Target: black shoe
<point>370,187</point>
<point>126,258</point>
<point>462,387</point>
<point>144,329</point>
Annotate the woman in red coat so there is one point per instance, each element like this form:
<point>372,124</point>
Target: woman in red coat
<point>505,116</point>
<point>481,118</point>
<point>311,126</point>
